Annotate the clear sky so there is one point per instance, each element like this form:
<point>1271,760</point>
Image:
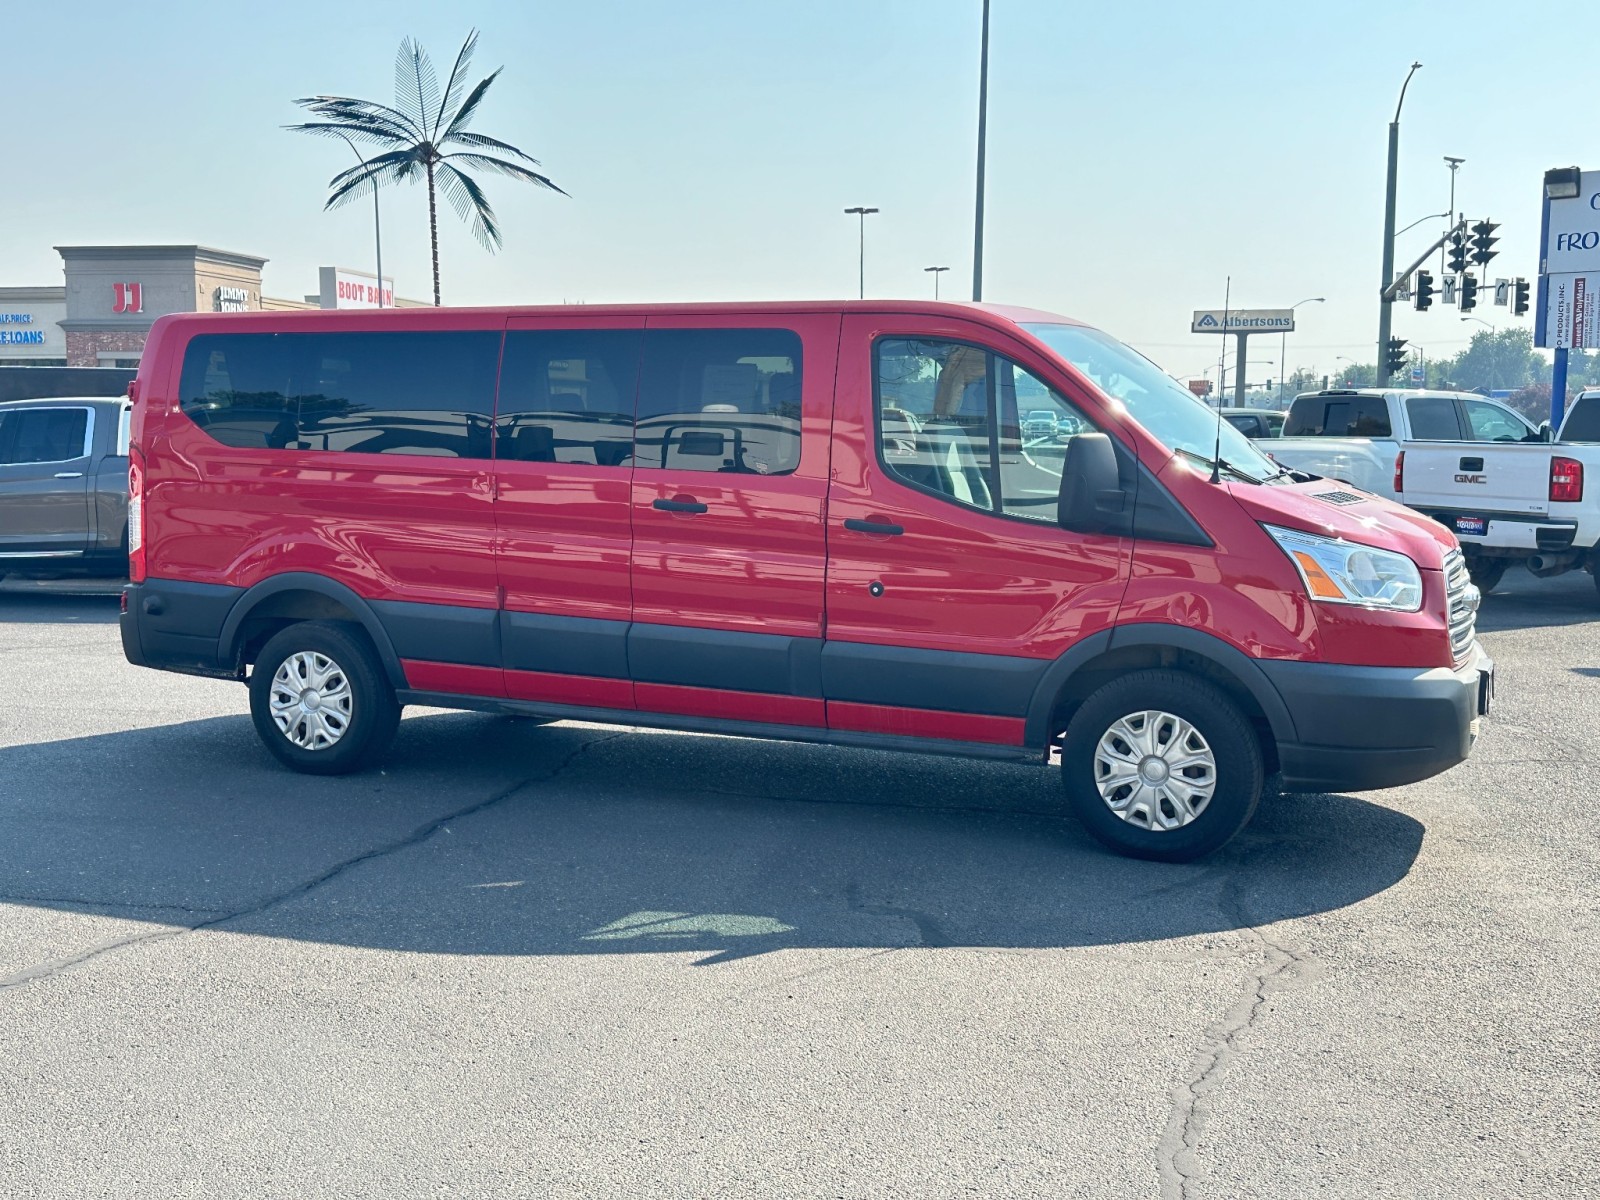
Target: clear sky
<point>1139,152</point>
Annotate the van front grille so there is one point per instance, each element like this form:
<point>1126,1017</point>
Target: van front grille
<point>1462,602</point>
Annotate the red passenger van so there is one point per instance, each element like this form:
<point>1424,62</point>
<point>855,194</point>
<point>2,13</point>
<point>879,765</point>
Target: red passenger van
<point>831,522</point>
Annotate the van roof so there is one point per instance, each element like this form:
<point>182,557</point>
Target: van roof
<point>1010,314</point>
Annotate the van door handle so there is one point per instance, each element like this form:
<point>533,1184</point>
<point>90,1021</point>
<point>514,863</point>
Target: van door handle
<point>683,506</point>
<point>1472,464</point>
<point>878,527</point>
<point>69,474</point>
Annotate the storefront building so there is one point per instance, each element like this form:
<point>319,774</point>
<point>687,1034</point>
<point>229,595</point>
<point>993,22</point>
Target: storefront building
<point>113,294</point>
<point>30,327</point>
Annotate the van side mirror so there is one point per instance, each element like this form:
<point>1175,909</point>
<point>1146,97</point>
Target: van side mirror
<point>1091,498</point>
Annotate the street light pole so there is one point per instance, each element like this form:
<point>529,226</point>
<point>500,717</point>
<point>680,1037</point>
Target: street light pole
<point>1454,164</point>
<point>1385,301</point>
<point>377,229</point>
<point>1283,348</point>
<point>983,116</point>
<point>862,213</point>
<point>936,272</point>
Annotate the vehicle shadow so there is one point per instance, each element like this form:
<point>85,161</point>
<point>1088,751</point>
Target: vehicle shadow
<point>87,603</point>
<point>489,835</point>
<point>1522,602</point>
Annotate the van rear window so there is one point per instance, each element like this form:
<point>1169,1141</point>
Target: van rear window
<point>1338,416</point>
<point>421,393</point>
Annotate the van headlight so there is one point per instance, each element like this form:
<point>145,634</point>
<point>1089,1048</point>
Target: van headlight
<point>1341,572</point>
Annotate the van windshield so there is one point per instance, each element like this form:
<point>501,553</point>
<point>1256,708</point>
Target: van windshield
<point>1166,409</point>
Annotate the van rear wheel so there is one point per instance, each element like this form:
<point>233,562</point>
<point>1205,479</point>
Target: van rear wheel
<point>320,701</point>
<point>1161,765</point>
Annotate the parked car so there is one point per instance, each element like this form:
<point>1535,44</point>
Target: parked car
<point>64,487</point>
<point>1255,422</point>
<point>805,521</point>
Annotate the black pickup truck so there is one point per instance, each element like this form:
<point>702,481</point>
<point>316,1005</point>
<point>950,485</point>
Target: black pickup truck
<point>64,487</point>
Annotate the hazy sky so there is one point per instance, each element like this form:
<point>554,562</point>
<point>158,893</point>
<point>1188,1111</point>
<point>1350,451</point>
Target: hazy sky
<point>1139,153</point>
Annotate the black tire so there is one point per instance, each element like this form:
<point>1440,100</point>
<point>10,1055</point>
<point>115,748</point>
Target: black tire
<point>1231,739</point>
<point>1486,572</point>
<point>373,710</point>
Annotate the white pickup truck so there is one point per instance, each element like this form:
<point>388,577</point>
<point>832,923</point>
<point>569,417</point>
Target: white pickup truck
<point>1506,489</point>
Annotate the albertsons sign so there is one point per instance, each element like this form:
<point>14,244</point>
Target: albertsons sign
<point>1243,320</point>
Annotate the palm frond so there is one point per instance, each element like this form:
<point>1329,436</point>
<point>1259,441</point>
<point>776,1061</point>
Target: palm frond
<point>340,129</point>
<point>483,141</point>
<point>499,166</point>
<point>394,167</point>
<point>416,87</point>
<point>456,82</point>
<point>363,112</point>
<point>463,116</point>
<point>467,198</point>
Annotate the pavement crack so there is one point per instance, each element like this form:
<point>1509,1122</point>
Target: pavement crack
<point>1282,967</point>
<point>55,967</point>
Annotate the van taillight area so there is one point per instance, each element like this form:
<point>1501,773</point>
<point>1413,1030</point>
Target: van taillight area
<point>895,525</point>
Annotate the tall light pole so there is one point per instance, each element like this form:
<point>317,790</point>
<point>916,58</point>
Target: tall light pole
<point>1283,348</point>
<point>1481,321</point>
<point>377,229</point>
<point>1454,164</point>
<point>983,117</point>
<point>936,272</point>
<point>1385,302</point>
<point>862,213</point>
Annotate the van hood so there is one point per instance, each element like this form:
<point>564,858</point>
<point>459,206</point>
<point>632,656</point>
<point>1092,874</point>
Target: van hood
<point>1335,509</point>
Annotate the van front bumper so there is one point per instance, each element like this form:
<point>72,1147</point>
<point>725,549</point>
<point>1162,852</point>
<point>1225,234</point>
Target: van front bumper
<point>1362,728</point>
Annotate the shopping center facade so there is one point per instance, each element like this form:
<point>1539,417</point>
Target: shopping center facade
<point>111,295</point>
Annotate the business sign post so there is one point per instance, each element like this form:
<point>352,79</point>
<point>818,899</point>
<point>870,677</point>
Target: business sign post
<point>1242,322</point>
<point>1568,315</point>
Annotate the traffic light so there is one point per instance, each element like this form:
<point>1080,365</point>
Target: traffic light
<point>1458,252</point>
<point>1394,356</point>
<point>1483,238</point>
<point>1519,298</point>
<point>1469,293</point>
<point>1424,291</point>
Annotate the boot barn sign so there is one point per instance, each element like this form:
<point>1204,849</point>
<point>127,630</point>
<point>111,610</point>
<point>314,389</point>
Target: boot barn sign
<point>343,288</point>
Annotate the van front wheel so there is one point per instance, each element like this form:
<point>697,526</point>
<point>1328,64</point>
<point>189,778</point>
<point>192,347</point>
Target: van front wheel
<point>1161,765</point>
<point>320,701</point>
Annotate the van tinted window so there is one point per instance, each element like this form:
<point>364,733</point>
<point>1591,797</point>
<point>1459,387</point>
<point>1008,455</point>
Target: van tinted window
<point>1338,416</point>
<point>567,396</point>
<point>422,393</point>
<point>720,400</point>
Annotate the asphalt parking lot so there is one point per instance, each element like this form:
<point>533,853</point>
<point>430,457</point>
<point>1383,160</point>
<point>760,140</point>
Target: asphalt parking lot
<point>580,961</point>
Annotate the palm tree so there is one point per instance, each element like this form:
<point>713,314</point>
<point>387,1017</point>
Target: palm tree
<point>424,134</point>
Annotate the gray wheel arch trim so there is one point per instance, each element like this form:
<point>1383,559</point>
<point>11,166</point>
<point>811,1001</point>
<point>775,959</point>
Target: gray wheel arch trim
<point>304,581</point>
<point>1235,662</point>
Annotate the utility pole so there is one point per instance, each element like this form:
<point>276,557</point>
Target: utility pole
<point>1385,298</point>
<point>936,272</point>
<point>863,214</point>
<point>983,116</point>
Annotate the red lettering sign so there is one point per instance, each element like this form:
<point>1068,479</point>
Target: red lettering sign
<point>129,298</point>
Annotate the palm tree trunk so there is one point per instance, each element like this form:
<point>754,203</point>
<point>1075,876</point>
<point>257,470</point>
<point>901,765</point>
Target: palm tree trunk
<point>433,234</point>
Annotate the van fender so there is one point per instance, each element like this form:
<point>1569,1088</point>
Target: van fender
<point>321,585</point>
<point>1226,657</point>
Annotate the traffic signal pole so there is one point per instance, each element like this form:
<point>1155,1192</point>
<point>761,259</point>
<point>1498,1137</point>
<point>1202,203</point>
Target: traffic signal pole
<point>1385,288</point>
<point>1243,339</point>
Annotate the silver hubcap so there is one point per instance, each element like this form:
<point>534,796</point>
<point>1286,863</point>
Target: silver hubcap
<point>1154,770</point>
<point>311,700</point>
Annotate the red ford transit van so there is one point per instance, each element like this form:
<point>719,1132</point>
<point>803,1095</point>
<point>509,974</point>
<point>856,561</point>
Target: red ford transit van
<point>833,522</point>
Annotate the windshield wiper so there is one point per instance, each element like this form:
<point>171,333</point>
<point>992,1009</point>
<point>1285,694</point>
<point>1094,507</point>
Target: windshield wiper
<point>1223,464</point>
